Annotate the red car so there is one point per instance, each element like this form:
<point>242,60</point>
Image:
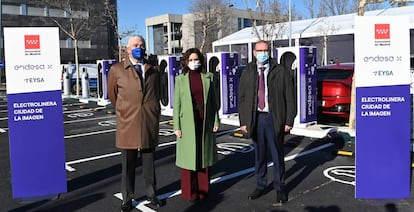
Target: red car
<point>334,90</point>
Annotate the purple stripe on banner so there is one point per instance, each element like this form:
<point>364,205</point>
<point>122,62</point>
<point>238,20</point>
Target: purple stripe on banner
<point>383,154</point>
<point>229,83</point>
<point>36,137</point>
<point>307,85</point>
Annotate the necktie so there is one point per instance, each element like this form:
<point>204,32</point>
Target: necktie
<point>261,89</point>
<point>138,69</point>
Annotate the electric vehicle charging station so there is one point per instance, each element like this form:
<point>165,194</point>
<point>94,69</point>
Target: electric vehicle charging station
<point>225,66</point>
<point>66,82</point>
<point>103,70</point>
<point>301,61</point>
<point>85,83</point>
<point>170,67</point>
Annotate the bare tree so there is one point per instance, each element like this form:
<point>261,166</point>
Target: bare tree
<point>401,3</point>
<point>310,7</point>
<point>74,18</point>
<point>111,12</point>
<point>276,14</point>
<point>322,8</point>
<point>209,18</point>
<point>326,29</point>
<point>339,7</point>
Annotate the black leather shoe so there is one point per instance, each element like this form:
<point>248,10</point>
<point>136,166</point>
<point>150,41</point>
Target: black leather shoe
<point>126,206</point>
<point>154,201</point>
<point>256,194</point>
<point>281,197</point>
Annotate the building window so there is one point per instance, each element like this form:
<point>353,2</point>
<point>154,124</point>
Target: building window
<point>239,24</point>
<point>247,23</point>
<point>56,12</point>
<point>10,9</point>
<point>66,14</point>
<point>80,14</point>
<point>62,44</point>
<point>46,11</point>
<point>35,11</point>
<point>69,43</point>
<point>84,44</point>
<point>23,9</point>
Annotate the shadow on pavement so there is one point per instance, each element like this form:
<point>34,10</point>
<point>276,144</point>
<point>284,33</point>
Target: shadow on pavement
<point>304,165</point>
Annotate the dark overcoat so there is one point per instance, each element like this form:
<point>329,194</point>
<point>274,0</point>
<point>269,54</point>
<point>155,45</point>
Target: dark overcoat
<point>137,110</point>
<point>281,97</point>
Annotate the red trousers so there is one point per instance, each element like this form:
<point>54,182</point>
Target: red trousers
<point>194,184</point>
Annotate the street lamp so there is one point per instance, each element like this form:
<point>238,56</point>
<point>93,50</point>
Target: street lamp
<point>290,24</point>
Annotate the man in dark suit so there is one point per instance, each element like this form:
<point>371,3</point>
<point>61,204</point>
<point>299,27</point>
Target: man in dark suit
<point>267,110</point>
<point>134,91</point>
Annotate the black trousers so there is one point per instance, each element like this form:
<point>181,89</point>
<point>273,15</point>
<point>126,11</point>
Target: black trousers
<point>129,158</point>
<point>266,142</point>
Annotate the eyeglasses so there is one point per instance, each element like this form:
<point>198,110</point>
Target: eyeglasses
<point>261,50</point>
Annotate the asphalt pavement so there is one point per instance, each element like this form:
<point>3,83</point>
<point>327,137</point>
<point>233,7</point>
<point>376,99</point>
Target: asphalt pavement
<point>318,179</point>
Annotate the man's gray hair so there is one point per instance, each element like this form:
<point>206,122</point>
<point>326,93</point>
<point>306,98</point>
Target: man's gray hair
<point>136,36</point>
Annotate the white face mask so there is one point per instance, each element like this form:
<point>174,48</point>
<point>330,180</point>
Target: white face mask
<point>194,65</point>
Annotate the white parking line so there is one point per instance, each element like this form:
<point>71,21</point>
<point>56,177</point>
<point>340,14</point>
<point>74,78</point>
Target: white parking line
<point>83,110</point>
<point>71,169</point>
<point>90,133</point>
<point>138,205</point>
<point>74,104</point>
<point>89,119</point>
<point>100,132</point>
<point>141,204</point>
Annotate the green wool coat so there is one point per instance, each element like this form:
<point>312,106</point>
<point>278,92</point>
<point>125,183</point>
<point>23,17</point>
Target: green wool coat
<point>183,118</point>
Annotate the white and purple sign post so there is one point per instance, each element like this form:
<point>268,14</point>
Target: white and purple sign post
<point>170,66</point>
<point>301,60</point>
<point>382,79</point>
<point>36,133</point>
<point>225,66</point>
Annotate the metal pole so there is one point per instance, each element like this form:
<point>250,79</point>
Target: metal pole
<point>1,42</point>
<point>290,24</point>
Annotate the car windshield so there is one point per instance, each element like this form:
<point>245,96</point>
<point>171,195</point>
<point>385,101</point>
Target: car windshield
<point>324,74</point>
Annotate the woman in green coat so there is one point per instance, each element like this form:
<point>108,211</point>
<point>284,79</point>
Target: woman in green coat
<point>195,117</point>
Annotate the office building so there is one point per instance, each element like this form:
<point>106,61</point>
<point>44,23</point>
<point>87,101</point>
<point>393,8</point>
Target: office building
<point>96,40</point>
<point>171,34</point>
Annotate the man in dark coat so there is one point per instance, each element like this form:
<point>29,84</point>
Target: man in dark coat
<point>133,89</point>
<point>266,111</point>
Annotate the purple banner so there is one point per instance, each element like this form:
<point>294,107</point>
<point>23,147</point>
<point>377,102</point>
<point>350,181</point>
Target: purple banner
<point>229,83</point>
<point>36,136</point>
<point>307,85</point>
<point>383,142</point>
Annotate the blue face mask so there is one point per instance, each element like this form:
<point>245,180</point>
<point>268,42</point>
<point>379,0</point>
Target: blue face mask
<point>262,57</point>
<point>138,53</point>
